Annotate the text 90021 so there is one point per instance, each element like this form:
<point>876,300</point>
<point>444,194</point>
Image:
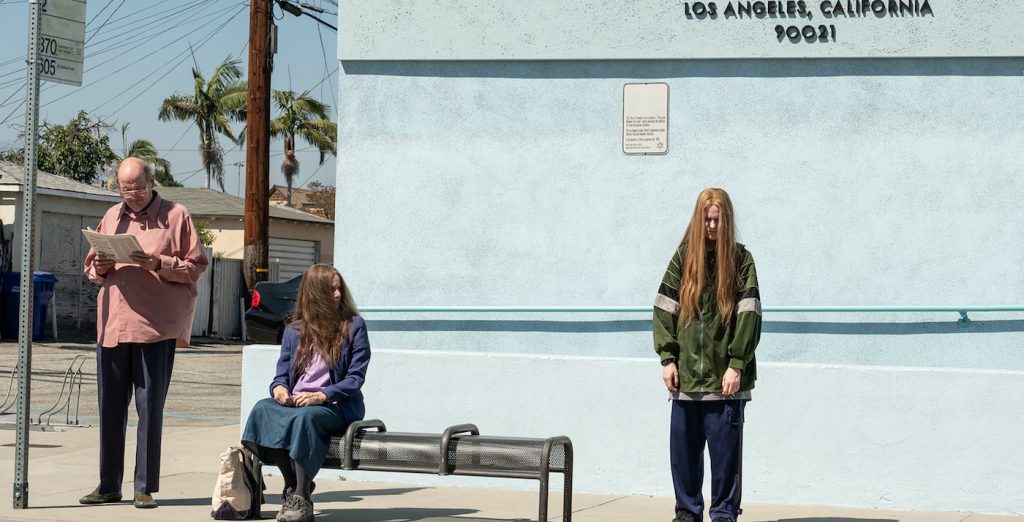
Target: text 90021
<point>807,33</point>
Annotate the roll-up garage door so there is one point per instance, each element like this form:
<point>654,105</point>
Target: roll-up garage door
<point>293,255</point>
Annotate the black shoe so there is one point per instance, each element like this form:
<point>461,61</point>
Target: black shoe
<point>100,498</point>
<point>685,516</point>
<point>723,519</point>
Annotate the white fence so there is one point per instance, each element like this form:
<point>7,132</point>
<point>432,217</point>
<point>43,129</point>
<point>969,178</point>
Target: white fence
<point>218,312</point>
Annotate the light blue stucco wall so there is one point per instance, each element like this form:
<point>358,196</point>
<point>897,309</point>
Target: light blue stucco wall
<point>855,182</point>
<point>892,437</point>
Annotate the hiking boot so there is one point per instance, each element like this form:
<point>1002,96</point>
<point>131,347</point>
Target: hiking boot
<point>685,516</point>
<point>100,498</point>
<point>296,509</point>
<point>144,500</point>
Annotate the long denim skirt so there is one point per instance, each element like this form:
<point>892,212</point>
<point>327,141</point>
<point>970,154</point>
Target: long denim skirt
<point>304,431</point>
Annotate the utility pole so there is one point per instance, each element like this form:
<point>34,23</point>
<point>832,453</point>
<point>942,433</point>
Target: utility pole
<point>257,146</point>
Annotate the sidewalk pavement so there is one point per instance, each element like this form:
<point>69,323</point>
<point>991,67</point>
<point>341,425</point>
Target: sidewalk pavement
<point>63,467</point>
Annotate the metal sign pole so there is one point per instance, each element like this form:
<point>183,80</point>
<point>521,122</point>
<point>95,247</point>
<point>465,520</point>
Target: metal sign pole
<point>26,290</point>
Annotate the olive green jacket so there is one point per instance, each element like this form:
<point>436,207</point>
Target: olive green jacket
<point>704,348</point>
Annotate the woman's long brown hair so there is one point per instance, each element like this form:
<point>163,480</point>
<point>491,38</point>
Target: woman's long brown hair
<point>322,326</point>
<point>694,275</point>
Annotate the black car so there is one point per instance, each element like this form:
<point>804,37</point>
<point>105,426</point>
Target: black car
<point>269,312</point>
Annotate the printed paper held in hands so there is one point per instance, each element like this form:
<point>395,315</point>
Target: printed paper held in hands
<point>118,247</point>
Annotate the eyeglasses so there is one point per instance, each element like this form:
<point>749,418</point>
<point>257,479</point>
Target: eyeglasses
<point>134,193</point>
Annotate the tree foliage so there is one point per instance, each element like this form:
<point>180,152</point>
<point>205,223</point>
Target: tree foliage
<point>212,106</point>
<point>203,232</point>
<point>306,117</point>
<point>79,150</point>
<point>322,196</point>
<point>13,155</point>
<point>145,150</point>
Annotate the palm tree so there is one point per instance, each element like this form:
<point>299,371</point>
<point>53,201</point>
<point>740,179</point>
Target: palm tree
<point>210,108</point>
<point>145,150</point>
<point>303,116</point>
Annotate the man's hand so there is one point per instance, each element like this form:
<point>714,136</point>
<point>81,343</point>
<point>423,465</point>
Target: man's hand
<point>730,382</point>
<point>282,396</point>
<point>310,398</point>
<point>147,261</point>
<point>102,265</point>
<point>670,375</point>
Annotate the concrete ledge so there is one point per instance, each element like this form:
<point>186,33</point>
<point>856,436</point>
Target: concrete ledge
<point>865,436</point>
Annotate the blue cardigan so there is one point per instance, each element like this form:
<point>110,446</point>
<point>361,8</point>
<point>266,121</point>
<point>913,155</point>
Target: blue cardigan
<point>347,376</point>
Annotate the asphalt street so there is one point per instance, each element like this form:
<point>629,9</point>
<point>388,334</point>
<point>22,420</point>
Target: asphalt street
<point>205,383</point>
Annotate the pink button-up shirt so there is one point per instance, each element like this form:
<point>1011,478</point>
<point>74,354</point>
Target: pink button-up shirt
<point>137,305</point>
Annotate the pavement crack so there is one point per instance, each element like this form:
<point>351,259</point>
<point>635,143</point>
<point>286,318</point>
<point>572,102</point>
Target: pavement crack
<point>599,505</point>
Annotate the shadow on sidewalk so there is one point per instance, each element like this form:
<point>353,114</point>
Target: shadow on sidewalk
<point>355,496</point>
<point>203,501</point>
<point>836,519</point>
<point>127,501</point>
<point>406,515</point>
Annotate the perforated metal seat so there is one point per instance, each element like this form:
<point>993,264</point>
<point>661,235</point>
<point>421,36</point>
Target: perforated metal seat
<point>388,451</point>
<point>459,450</point>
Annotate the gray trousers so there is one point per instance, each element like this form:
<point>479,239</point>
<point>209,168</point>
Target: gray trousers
<point>144,368</point>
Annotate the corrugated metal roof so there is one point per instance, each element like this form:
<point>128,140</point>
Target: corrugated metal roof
<point>204,202</point>
<point>11,175</point>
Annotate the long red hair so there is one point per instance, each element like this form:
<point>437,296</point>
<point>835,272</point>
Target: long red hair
<point>695,276</point>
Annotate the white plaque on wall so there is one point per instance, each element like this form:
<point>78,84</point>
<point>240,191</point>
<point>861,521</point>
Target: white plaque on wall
<point>645,118</point>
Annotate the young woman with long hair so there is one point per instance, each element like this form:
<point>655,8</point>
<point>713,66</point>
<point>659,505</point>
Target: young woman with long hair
<point>707,323</point>
<point>316,393</point>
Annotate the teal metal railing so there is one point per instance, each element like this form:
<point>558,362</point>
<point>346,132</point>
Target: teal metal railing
<point>962,310</point>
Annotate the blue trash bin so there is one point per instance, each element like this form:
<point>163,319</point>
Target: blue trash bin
<point>10,288</point>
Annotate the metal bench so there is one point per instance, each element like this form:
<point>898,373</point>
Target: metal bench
<point>459,450</point>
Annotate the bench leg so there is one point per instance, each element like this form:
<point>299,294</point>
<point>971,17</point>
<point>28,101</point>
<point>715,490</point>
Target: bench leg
<point>542,516</point>
<point>567,498</point>
<point>567,485</point>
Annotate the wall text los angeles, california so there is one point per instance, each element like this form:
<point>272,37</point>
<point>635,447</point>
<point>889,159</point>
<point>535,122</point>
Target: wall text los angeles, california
<point>799,9</point>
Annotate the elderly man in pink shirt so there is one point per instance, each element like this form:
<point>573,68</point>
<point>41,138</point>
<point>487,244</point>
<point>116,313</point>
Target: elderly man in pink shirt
<point>144,311</point>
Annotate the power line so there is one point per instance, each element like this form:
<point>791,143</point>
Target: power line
<point>131,64</point>
<point>169,71</point>
<point>303,184</point>
<point>190,125</point>
<point>120,58</point>
<point>12,112</point>
<point>23,57</point>
<point>171,17</point>
<point>190,174</point>
<point>112,13</point>
<point>183,23</point>
<point>323,51</point>
<point>322,80</point>
<point>95,16</point>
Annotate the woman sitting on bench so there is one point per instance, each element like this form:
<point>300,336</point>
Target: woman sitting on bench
<point>316,393</point>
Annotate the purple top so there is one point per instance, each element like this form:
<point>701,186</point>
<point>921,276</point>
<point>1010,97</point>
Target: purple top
<point>315,378</point>
<point>347,375</point>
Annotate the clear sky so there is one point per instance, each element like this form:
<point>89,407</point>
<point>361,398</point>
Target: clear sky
<point>137,54</point>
